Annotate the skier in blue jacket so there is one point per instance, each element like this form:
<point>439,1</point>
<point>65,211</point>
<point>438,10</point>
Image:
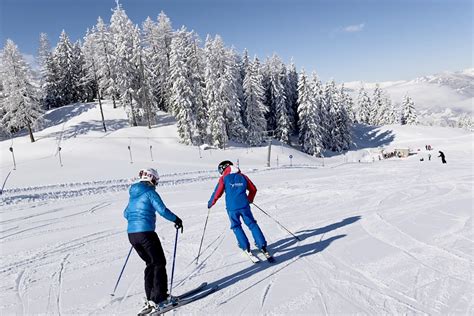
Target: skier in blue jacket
<point>235,185</point>
<point>140,213</point>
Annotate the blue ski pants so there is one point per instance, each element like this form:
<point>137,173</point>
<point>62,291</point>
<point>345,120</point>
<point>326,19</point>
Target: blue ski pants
<point>251,223</point>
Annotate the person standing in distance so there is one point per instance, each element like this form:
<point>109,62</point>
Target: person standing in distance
<point>235,185</point>
<point>140,213</point>
<point>443,158</point>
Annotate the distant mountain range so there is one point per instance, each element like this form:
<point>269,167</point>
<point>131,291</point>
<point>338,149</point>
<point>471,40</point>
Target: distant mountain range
<point>451,92</point>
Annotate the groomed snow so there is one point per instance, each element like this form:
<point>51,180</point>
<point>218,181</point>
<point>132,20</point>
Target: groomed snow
<point>392,236</point>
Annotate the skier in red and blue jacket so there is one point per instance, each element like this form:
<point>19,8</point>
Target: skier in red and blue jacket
<point>235,185</point>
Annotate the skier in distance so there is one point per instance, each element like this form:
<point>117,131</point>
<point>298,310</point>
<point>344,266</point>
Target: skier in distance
<point>235,184</point>
<point>144,201</point>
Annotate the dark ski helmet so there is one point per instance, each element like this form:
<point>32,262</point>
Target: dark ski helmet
<point>223,165</point>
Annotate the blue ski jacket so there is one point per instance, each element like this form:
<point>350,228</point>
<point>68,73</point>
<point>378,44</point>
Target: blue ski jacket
<point>141,208</point>
<point>235,185</point>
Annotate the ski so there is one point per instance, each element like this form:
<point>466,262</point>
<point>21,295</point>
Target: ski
<point>184,301</point>
<point>268,256</point>
<point>251,256</point>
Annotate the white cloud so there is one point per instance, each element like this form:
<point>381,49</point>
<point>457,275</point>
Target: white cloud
<point>354,28</point>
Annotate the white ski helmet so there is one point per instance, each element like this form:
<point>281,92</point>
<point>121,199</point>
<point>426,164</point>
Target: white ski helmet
<point>149,175</point>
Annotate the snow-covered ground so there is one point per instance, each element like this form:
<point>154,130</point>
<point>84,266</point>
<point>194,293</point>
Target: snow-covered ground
<point>392,236</point>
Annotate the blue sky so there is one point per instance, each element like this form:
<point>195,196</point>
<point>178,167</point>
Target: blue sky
<point>370,40</point>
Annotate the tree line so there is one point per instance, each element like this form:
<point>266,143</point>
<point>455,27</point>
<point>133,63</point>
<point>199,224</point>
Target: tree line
<point>215,93</point>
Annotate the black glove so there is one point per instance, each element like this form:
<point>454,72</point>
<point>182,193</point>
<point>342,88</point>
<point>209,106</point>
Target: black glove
<point>178,223</point>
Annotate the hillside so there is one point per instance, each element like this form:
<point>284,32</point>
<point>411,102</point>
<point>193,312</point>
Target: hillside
<point>377,237</point>
<point>440,96</point>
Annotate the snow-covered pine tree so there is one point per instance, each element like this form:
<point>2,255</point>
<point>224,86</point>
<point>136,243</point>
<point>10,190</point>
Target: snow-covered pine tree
<point>244,65</point>
<point>91,56</point>
<point>390,116</point>
<point>83,87</point>
<point>278,118</point>
<point>64,61</point>
<point>348,104</point>
<point>214,71</point>
<point>378,107</point>
<point>20,104</point>
<point>50,87</point>
<point>44,56</point>
<point>107,65</point>
<point>157,38</point>
<point>292,95</point>
<point>255,108</point>
<point>409,116</point>
<point>233,98</point>
<point>126,44</point>
<point>341,133</point>
<point>196,67</point>
<point>364,106</point>
<point>465,121</point>
<point>308,113</point>
<point>182,94</point>
<point>3,131</point>
<point>328,115</point>
<point>221,92</point>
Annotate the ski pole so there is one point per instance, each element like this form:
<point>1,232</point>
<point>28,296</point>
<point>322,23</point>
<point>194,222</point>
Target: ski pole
<point>4,182</point>
<point>174,260</point>
<point>296,237</point>
<point>123,268</point>
<point>202,238</point>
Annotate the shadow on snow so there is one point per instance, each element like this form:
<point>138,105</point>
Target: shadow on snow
<point>286,251</point>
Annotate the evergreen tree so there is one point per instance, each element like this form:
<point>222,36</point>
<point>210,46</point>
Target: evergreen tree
<point>221,93</point>
<point>20,106</point>
<point>233,98</point>
<point>390,116</point>
<point>329,109</point>
<point>378,107</point>
<point>348,104</point>
<point>186,95</point>
<point>44,57</point>
<point>364,105</point>
<point>182,92</point>
<point>278,116</point>
<point>107,64</point>
<point>92,76</point>
<point>308,113</point>
<point>409,116</point>
<point>292,93</point>
<point>82,87</point>
<point>126,43</point>
<point>65,83</point>
<point>341,132</point>
<point>255,108</point>
<point>157,37</point>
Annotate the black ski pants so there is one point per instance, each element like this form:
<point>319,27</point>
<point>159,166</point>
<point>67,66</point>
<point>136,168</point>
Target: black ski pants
<point>148,247</point>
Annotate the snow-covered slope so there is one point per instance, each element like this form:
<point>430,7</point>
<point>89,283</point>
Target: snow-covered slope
<point>389,237</point>
<point>436,93</point>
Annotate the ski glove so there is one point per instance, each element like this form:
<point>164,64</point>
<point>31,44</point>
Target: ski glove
<point>178,223</point>
<point>209,204</point>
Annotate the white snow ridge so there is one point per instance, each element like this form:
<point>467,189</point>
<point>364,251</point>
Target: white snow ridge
<point>389,236</point>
